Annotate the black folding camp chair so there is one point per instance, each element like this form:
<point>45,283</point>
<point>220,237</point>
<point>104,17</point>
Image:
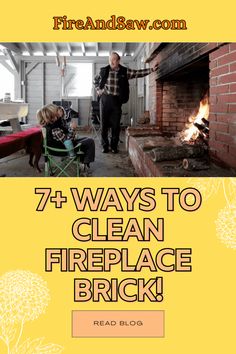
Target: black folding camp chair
<point>69,112</point>
<point>95,119</point>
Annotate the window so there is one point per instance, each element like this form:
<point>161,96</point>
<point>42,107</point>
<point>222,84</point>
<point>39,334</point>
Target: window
<point>6,82</point>
<point>78,79</point>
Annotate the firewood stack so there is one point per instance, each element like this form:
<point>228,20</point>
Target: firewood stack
<point>192,154</point>
<point>198,164</point>
<point>168,153</point>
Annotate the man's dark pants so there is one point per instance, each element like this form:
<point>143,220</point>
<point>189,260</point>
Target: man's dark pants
<point>110,116</point>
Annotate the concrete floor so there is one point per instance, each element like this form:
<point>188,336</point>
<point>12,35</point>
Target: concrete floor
<point>105,165</point>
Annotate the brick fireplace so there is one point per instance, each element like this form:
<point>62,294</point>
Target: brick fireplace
<point>187,73</point>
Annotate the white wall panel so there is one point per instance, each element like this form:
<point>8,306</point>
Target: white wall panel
<point>43,85</point>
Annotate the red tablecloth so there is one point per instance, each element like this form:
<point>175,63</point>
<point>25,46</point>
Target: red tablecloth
<point>30,139</point>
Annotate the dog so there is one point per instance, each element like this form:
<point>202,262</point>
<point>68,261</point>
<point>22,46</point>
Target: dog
<point>34,147</point>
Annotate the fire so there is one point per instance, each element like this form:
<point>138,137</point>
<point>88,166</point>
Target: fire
<point>196,121</point>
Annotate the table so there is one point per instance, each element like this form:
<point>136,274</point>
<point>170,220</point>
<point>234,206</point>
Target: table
<point>13,111</point>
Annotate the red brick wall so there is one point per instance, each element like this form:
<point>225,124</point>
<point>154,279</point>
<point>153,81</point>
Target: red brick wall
<point>171,58</point>
<point>170,114</point>
<point>223,104</point>
<point>180,100</point>
<point>153,89</point>
<point>158,94</point>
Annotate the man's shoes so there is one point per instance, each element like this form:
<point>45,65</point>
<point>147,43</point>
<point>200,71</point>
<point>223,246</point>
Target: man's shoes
<point>105,150</point>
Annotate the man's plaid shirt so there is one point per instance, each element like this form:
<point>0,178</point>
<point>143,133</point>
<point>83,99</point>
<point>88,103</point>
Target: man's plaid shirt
<point>111,87</point>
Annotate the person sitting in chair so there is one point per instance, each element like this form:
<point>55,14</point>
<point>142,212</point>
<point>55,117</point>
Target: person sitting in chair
<point>60,135</point>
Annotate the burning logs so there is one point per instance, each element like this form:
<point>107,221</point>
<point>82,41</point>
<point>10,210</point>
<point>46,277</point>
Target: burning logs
<point>177,152</point>
<point>190,164</point>
<point>202,128</point>
<point>206,122</point>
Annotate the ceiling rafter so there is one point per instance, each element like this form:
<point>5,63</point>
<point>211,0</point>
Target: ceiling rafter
<point>12,60</point>
<point>123,49</point>
<point>27,47</point>
<point>83,48</point>
<point>55,48</point>
<point>96,49</point>
<point>41,46</point>
<point>78,49</point>
<point>69,49</point>
<point>14,47</point>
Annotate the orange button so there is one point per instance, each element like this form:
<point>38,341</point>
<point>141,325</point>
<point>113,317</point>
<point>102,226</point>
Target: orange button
<point>117,323</point>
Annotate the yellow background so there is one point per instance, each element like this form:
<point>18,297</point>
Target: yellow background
<point>199,306</point>
<point>206,20</point>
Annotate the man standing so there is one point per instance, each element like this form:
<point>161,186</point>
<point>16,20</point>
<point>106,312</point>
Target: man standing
<point>113,88</point>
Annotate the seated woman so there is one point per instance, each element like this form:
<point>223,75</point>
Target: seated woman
<point>60,135</point>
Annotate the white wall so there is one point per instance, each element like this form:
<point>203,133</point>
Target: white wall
<point>34,84</point>
<point>43,85</point>
<point>6,82</point>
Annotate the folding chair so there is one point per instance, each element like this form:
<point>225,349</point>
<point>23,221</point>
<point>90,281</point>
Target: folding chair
<point>58,162</point>
<point>67,108</point>
<point>95,119</point>
<point>64,103</point>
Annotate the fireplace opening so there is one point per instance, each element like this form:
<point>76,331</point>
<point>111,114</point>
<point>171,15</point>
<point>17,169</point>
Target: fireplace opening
<point>192,113</point>
<point>184,125</point>
<point>183,94</point>
<point>197,127</point>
